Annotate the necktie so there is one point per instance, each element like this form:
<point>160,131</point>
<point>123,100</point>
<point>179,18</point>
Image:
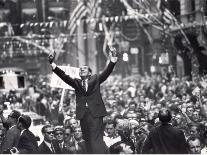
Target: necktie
<point>52,148</point>
<point>61,146</point>
<point>84,84</point>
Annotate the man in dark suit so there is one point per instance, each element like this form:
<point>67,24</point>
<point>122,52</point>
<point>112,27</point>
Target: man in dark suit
<point>90,108</point>
<point>27,141</point>
<point>165,139</point>
<point>49,145</point>
<point>11,138</point>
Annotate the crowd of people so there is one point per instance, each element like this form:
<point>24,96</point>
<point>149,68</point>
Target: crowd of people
<point>132,105</point>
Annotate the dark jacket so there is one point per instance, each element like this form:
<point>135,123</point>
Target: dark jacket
<point>44,149</point>
<point>11,138</point>
<point>165,139</point>
<point>93,96</point>
<point>27,143</point>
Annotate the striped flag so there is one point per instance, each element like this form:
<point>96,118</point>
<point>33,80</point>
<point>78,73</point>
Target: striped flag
<point>168,17</point>
<point>94,11</point>
<point>78,13</point>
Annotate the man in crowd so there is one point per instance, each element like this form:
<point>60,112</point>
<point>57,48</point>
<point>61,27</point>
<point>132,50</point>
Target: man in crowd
<point>11,138</point>
<point>80,144</point>
<point>194,144</point>
<point>27,141</point>
<point>68,141</point>
<point>59,136</point>
<point>90,108</point>
<point>165,139</point>
<point>111,136</point>
<point>48,146</point>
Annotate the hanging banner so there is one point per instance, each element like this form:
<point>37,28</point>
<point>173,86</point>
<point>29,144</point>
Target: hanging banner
<point>57,82</point>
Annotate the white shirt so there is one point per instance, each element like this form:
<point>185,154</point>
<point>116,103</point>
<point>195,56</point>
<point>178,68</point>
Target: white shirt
<point>22,132</point>
<point>12,126</point>
<point>204,150</point>
<point>110,140</point>
<point>86,83</point>
<point>49,145</point>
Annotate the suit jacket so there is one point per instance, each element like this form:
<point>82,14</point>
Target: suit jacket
<point>93,96</point>
<point>73,149</point>
<point>27,143</point>
<point>165,139</point>
<point>44,149</point>
<point>11,138</point>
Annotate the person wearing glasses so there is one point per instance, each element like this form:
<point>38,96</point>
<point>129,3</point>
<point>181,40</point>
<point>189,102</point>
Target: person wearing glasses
<point>90,108</point>
<point>12,136</point>
<point>59,136</point>
<point>49,145</point>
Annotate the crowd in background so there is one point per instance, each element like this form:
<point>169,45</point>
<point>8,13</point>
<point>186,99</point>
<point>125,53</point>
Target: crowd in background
<point>132,104</point>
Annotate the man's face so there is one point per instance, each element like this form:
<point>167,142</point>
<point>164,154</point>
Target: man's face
<point>10,119</point>
<point>59,135</point>
<point>195,116</point>
<point>195,146</point>
<point>78,133</point>
<point>132,107</point>
<point>67,135</point>
<point>84,71</point>
<point>193,130</point>
<point>189,111</point>
<point>110,129</point>
<point>178,118</point>
<point>49,134</point>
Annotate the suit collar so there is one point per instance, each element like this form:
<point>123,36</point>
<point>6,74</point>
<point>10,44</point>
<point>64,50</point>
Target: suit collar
<point>21,133</point>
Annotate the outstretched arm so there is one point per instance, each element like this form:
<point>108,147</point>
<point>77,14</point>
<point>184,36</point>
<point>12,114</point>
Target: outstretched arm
<point>107,71</point>
<point>66,78</point>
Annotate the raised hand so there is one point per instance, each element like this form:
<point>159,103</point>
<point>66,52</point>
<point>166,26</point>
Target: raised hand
<point>113,54</point>
<point>51,57</point>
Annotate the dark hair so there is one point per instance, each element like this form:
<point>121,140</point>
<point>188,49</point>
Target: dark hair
<point>25,120</point>
<point>164,115</point>
<point>111,122</point>
<point>133,102</point>
<point>45,127</point>
<point>89,69</point>
<point>192,138</point>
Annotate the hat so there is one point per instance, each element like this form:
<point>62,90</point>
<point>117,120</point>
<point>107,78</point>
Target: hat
<point>25,120</point>
<point>59,128</point>
<point>15,114</point>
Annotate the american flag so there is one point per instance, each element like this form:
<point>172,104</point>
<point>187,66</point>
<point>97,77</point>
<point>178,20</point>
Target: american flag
<point>78,13</point>
<point>84,8</point>
<point>167,16</point>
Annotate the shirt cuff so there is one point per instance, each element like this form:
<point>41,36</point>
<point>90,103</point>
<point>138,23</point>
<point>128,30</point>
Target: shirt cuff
<point>53,65</point>
<point>114,60</point>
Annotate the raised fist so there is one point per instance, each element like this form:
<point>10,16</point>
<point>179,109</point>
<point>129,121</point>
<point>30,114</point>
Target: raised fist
<point>51,57</point>
<point>113,51</point>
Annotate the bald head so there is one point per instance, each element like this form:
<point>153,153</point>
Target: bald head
<point>164,115</point>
